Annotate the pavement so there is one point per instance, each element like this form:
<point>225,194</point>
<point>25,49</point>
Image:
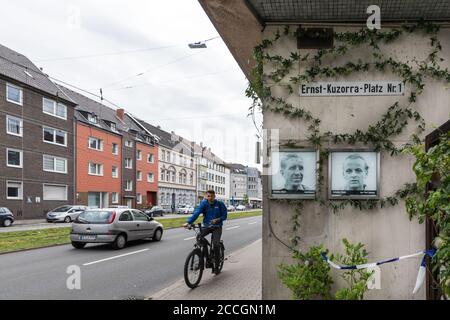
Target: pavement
<point>240,279</point>
<point>140,270</point>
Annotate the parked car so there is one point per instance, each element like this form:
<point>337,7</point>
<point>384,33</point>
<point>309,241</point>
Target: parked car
<point>6,217</point>
<point>65,213</point>
<point>240,207</point>
<point>188,210</point>
<point>231,208</point>
<point>154,211</point>
<point>120,207</point>
<point>180,209</point>
<point>114,226</point>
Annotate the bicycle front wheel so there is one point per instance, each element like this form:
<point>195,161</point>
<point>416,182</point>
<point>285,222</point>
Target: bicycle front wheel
<point>193,269</point>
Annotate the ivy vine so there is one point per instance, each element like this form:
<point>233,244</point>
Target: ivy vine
<point>378,135</point>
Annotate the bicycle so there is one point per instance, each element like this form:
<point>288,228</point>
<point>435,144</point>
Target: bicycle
<point>201,257</point>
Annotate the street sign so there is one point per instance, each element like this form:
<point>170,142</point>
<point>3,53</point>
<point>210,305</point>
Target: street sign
<point>323,89</point>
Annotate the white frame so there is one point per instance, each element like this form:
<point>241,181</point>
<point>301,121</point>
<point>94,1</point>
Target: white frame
<point>95,174</point>
<point>117,172</point>
<point>117,149</point>
<point>152,156</point>
<point>153,177</point>
<point>128,143</point>
<point>92,117</point>
<point>99,143</point>
<point>116,200</point>
<point>363,197</point>
<point>138,198</point>
<point>54,163</point>
<point>55,104</point>
<point>139,155</point>
<point>297,195</point>
<point>20,193</point>
<point>21,158</point>
<point>130,162</point>
<point>126,185</point>
<point>20,126</point>
<point>21,94</point>
<point>138,175</point>
<point>54,136</point>
<point>56,185</point>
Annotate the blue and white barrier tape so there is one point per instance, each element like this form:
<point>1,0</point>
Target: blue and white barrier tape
<point>420,275</point>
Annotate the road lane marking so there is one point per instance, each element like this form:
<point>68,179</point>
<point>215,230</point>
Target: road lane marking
<point>233,227</point>
<point>252,222</point>
<point>190,238</point>
<point>114,257</point>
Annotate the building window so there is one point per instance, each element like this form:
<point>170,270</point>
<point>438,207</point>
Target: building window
<point>54,136</point>
<point>92,118</point>
<point>114,197</point>
<point>95,169</point>
<point>128,163</point>
<point>168,156</point>
<point>129,185</point>
<point>115,148</point>
<point>54,109</point>
<point>113,127</point>
<point>14,94</point>
<point>14,126</point>
<point>14,190</point>
<point>128,143</point>
<point>54,164</point>
<point>150,158</point>
<point>14,158</point>
<point>139,155</point>
<point>150,177</point>
<point>54,192</point>
<point>163,155</point>
<point>191,179</point>
<point>139,198</point>
<point>139,176</point>
<point>115,172</point>
<point>95,144</point>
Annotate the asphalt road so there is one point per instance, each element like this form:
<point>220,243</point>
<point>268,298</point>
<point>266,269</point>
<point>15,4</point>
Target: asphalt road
<point>139,270</point>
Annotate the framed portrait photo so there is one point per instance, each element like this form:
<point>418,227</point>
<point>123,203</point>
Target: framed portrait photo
<point>354,174</point>
<point>293,174</point>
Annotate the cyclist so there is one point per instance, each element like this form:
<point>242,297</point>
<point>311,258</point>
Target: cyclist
<point>214,214</point>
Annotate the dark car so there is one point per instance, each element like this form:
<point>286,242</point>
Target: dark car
<point>6,217</point>
<point>155,211</point>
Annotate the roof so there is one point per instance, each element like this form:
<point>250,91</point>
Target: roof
<point>169,140</point>
<point>236,168</point>
<point>87,105</point>
<point>18,67</point>
<point>348,10</point>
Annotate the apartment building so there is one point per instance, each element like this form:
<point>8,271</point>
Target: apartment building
<point>140,163</point>
<point>177,172</point>
<point>254,188</point>
<point>36,139</point>
<point>238,183</point>
<point>98,152</point>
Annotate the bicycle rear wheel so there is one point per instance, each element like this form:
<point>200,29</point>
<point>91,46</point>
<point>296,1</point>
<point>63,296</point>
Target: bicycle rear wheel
<point>221,258</point>
<point>193,269</point>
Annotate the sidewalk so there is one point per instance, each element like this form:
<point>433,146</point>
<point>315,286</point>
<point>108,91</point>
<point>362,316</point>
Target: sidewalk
<point>240,279</point>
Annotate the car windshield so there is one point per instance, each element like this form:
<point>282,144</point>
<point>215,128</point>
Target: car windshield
<point>94,217</point>
<point>154,209</point>
<point>62,209</point>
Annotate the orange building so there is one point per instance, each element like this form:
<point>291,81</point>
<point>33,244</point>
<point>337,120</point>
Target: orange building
<point>98,166</point>
<point>146,175</point>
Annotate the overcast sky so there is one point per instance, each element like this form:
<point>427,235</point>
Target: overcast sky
<point>199,94</point>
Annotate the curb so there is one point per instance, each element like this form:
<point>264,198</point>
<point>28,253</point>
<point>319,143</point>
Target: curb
<point>180,282</point>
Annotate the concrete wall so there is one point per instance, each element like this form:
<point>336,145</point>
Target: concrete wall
<point>387,232</point>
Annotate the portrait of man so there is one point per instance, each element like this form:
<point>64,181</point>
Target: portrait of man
<point>292,169</point>
<point>355,171</point>
<point>354,174</point>
<point>294,174</point>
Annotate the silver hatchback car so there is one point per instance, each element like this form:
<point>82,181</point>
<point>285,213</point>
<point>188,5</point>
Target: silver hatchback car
<point>115,226</point>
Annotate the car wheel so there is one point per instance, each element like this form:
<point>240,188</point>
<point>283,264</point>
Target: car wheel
<point>120,242</point>
<point>157,235</point>
<point>7,223</point>
<point>78,245</point>
<point>67,219</point>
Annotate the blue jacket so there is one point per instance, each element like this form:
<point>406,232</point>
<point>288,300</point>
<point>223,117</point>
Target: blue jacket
<point>210,212</point>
